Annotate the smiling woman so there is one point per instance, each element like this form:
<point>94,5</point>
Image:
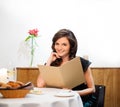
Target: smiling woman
<point>96,28</point>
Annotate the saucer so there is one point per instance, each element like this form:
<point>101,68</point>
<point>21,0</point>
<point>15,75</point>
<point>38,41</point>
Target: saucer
<point>65,94</point>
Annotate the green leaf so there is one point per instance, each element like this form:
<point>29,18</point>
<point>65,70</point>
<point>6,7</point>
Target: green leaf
<point>28,38</point>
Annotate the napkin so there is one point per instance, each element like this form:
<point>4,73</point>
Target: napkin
<point>3,75</point>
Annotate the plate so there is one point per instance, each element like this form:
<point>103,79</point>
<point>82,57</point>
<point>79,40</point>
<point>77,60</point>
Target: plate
<point>64,94</point>
<point>38,92</point>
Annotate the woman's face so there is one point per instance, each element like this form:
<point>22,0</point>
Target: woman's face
<point>62,47</point>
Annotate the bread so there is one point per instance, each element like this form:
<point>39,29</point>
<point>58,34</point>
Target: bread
<point>1,83</point>
<point>4,85</point>
<point>20,83</point>
<point>11,84</point>
<point>15,84</point>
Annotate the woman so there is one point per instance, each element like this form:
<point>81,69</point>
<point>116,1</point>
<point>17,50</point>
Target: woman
<point>64,46</point>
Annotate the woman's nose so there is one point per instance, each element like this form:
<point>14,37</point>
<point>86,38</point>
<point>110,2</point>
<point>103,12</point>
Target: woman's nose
<point>59,47</point>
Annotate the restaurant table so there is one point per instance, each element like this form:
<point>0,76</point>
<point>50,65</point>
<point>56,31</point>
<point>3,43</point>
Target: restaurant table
<point>44,97</point>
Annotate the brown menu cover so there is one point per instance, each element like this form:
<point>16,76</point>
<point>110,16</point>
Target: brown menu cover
<point>68,75</point>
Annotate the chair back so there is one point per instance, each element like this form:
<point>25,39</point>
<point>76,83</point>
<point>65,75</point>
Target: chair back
<point>100,95</point>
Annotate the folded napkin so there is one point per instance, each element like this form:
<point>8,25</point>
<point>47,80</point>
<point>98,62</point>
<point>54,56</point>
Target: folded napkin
<point>3,75</point>
<point>28,85</point>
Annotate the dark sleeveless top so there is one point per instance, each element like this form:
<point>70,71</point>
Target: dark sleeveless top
<point>85,64</point>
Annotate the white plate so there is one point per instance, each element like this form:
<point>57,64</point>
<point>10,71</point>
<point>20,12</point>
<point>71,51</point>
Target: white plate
<point>65,94</point>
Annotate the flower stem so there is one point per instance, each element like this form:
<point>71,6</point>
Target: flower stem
<point>32,52</point>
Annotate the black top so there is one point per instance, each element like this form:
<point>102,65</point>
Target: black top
<point>85,64</point>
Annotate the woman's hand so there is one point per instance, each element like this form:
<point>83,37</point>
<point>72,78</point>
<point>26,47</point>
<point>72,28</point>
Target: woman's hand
<point>53,57</point>
<point>40,82</point>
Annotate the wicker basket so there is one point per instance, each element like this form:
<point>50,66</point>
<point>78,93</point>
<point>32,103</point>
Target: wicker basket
<point>19,93</point>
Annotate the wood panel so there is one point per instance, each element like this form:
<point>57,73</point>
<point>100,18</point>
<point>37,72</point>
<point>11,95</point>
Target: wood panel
<point>110,78</point>
<point>27,74</point>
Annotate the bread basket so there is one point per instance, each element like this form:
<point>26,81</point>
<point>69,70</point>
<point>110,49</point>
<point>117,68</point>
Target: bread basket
<point>18,93</point>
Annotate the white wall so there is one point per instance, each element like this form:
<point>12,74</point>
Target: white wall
<point>96,24</point>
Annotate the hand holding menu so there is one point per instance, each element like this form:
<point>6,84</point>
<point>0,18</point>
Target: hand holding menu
<point>68,75</point>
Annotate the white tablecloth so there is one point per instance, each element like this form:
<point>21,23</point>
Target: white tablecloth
<point>46,99</point>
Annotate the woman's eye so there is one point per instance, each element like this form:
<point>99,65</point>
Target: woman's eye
<point>64,44</point>
<point>56,43</point>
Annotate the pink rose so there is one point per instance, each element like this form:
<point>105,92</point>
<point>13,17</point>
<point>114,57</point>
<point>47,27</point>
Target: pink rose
<point>33,32</point>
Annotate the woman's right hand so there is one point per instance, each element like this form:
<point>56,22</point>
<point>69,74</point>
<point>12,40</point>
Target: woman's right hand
<point>53,57</point>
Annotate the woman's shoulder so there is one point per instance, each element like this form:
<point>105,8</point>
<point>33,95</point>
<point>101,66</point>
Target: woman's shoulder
<point>85,63</point>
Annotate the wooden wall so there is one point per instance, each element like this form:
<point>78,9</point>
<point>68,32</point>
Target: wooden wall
<point>105,76</point>
<point>26,74</point>
<point>110,77</point>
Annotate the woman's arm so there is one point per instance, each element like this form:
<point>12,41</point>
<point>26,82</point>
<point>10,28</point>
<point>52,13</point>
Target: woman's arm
<point>40,82</point>
<point>89,82</point>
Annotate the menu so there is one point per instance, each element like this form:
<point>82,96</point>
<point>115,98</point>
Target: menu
<point>68,75</point>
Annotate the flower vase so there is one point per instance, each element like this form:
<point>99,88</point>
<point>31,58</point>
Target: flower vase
<point>32,52</point>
